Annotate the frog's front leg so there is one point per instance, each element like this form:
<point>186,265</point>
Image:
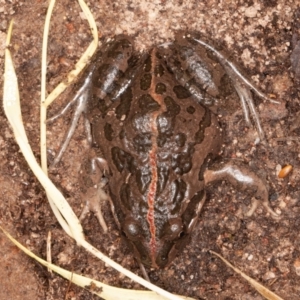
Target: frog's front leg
<point>197,72</point>
<point>242,178</point>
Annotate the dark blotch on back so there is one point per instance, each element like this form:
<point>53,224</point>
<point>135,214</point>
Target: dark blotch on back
<point>108,132</point>
<point>148,104</point>
<point>122,134</point>
<point>173,108</point>
<point>191,109</point>
<point>203,124</point>
<point>123,160</point>
<point>160,88</point>
<point>182,162</point>
<point>101,105</point>
<point>125,102</point>
<point>181,92</point>
<point>147,65</point>
<point>145,82</point>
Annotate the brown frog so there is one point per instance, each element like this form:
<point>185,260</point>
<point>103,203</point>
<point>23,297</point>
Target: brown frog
<point>155,139</point>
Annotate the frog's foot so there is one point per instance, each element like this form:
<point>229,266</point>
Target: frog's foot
<point>95,195</point>
<point>242,86</point>
<point>93,181</point>
<point>80,100</point>
<point>244,179</point>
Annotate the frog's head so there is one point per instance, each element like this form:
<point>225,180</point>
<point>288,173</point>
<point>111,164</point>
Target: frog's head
<point>158,234</point>
<point>153,251</point>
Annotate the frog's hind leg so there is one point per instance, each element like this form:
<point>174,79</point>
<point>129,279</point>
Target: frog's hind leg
<point>247,104</point>
<point>242,86</point>
<point>81,101</point>
<point>203,74</point>
<point>244,179</point>
<point>110,73</point>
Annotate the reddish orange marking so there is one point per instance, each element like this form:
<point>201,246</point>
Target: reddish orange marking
<point>153,162</point>
<point>151,199</point>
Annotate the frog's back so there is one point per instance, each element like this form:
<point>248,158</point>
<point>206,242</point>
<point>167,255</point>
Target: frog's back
<point>157,140</point>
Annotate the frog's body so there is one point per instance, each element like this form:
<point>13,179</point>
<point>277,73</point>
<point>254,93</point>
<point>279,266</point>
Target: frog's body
<point>157,140</point>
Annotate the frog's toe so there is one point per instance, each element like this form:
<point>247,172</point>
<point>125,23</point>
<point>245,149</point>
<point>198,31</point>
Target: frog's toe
<point>244,179</point>
<point>80,100</point>
<point>95,196</point>
<point>254,204</point>
<point>248,105</point>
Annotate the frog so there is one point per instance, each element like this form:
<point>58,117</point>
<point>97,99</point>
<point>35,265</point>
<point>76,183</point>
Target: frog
<point>155,141</point>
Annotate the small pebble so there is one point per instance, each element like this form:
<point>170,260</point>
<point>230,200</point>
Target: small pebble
<point>285,171</point>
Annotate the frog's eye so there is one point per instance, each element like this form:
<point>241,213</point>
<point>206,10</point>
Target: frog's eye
<point>131,229</point>
<point>173,229</point>
<point>176,228</point>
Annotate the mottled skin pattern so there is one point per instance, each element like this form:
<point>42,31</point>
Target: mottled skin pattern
<point>156,139</point>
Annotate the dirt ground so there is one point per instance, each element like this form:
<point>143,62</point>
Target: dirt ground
<point>260,36</point>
